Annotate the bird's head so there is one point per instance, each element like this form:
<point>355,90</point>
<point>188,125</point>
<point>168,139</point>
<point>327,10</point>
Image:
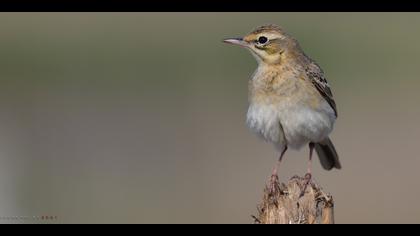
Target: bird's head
<point>269,44</point>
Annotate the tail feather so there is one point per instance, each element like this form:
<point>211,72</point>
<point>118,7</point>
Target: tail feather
<point>327,155</point>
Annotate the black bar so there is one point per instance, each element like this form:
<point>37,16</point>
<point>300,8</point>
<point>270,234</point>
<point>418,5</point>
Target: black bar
<point>206,5</point>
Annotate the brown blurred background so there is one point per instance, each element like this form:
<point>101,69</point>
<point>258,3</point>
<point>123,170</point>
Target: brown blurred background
<point>140,117</point>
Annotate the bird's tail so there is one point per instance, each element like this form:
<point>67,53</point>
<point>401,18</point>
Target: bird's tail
<point>327,154</point>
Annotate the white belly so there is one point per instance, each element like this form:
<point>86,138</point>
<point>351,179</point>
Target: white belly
<point>291,125</point>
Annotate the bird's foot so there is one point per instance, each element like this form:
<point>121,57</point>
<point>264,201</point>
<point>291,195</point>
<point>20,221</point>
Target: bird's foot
<point>308,180</point>
<point>274,184</point>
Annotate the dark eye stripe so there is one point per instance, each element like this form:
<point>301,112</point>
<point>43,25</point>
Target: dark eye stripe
<point>260,47</point>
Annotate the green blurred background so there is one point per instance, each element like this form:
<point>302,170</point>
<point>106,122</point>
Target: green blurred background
<point>140,117</point>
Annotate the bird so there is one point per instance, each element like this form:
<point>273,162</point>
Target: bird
<point>290,101</point>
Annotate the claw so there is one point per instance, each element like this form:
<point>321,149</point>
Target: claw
<point>308,178</point>
<point>274,184</point>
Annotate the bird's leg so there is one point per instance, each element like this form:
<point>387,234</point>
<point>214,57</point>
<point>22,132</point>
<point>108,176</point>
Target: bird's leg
<point>308,176</point>
<point>311,151</point>
<point>275,169</point>
<point>274,177</point>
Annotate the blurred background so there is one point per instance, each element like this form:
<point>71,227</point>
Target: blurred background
<point>140,117</point>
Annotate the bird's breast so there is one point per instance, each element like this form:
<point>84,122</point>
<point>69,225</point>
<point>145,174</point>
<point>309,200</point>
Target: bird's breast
<point>288,111</point>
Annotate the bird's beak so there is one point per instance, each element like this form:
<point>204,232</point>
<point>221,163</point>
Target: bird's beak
<point>236,41</point>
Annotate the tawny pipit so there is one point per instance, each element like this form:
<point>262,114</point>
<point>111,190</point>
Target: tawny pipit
<point>290,101</point>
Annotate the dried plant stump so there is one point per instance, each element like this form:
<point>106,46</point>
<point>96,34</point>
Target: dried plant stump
<point>288,204</point>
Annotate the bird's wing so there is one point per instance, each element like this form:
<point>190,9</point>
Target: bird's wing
<point>316,76</point>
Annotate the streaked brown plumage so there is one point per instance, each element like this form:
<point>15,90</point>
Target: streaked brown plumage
<point>291,102</point>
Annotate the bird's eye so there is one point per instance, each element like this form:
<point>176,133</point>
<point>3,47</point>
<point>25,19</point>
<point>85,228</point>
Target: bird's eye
<point>262,39</point>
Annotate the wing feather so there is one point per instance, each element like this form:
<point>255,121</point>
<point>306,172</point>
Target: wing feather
<point>316,75</point>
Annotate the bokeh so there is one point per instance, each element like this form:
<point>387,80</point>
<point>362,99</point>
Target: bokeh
<point>140,117</point>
